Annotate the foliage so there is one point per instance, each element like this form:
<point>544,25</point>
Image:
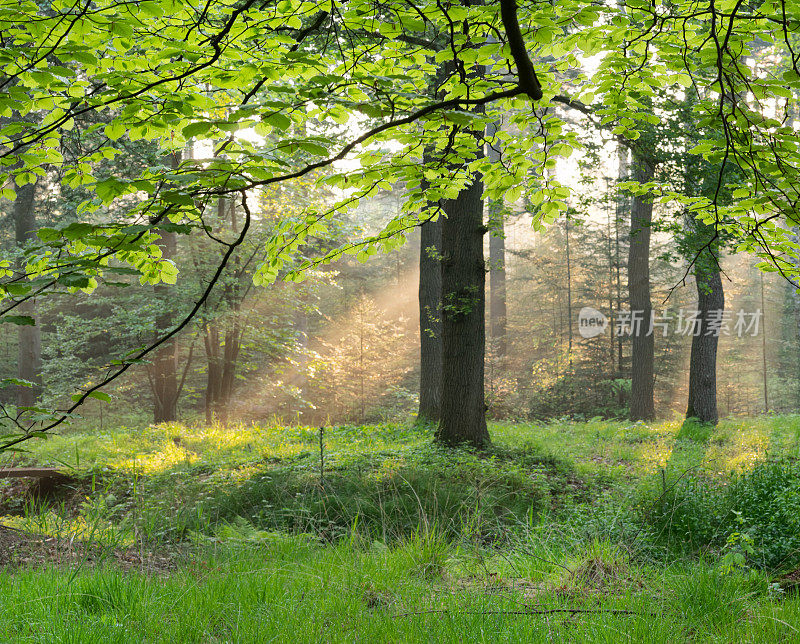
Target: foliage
<point>753,518</point>
<point>229,532</point>
<point>277,96</point>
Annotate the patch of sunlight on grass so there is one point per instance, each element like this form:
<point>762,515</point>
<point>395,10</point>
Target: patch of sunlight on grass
<point>616,449</point>
<point>89,529</point>
<point>168,458</point>
<point>738,447</point>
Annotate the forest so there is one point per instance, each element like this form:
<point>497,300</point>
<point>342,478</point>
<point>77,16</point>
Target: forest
<point>400,321</point>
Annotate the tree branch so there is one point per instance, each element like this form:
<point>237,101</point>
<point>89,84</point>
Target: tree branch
<point>526,75</point>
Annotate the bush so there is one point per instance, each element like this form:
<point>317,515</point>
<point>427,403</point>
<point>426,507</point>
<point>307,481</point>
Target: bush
<point>762,505</point>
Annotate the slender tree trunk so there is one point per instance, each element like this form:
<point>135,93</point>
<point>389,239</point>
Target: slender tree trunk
<point>703,360</point>
<point>796,301</point>
<point>227,375</point>
<point>764,346</point>
<point>497,261</point>
<point>165,359</point>
<point>430,321</point>
<point>569,290</point>
<point>463,410</point>
<point>623,155</point>
<point>29,364</point>
<point>213,370</point>
<point>642,342</point>
<point>222,352</point>
<point>612,313</point>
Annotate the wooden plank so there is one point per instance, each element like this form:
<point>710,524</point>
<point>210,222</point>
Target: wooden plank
<point>34,472</point>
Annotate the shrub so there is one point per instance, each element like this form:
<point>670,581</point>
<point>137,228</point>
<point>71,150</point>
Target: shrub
<point>761,505</point>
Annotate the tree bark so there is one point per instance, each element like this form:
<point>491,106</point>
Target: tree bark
<point>463,410</point>
<point>796,301</point>
<point>623,156</point>
<point>222,353</point>
<point>703,360</point>
<point>165,360</point>
<point>497,261</point>
<point>642,341</point>
<point>29,363</point>
<point>430,321</point>
<point>213,370</point>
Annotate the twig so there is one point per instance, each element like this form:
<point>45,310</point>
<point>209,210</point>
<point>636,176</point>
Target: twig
<point>529,611</point>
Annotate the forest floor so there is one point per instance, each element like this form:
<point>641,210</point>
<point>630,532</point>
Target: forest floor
<point>591,531</point>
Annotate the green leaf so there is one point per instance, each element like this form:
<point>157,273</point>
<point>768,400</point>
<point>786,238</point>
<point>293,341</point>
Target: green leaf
<point>313,148</point>
<point>278,120</point>
<point>99,395</point>
<point>196,129</point>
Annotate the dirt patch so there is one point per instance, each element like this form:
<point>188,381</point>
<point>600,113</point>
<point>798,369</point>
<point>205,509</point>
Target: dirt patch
<point>15,494</point>
<point>790,583</point>
<point>20,549</point>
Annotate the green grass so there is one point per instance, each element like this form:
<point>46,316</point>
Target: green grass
<point>289,590</point>
<point>399,541</point>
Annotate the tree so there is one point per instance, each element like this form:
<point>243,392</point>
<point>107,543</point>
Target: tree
<point>164,378</point>
<point>430,320</point>
<point>29,362</point>
<point>642,339</point>
<point>463,410</point>
<point>152,68</point>
<point>497,260</point>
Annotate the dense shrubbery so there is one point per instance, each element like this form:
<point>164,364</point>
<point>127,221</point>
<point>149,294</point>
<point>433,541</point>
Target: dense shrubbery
<point>760,507</point>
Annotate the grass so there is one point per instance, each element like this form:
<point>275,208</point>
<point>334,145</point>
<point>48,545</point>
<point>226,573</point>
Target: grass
<point>396,540</point>
<point>289,590</point>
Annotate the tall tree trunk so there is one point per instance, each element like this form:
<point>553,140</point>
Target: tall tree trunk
<point>703,360</point>
<point>642,342</point>
<point>623,168</point>
<point>222,352</point>
<point>764,374</point>
<point>497,260</point>
<point>29,364</point>
<point>165,360</point>
<point>230,358</point>
<point>213,370</point>
<point>463,409</point>
<point>430,321</point>
<point>796,301</point>
<point>569,289</point>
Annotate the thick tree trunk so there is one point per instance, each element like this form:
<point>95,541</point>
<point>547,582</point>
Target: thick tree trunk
<point>463,410</point>
<point>703,361</point>
<point>29,363</point>
<point>642,341</point>
<point>497,262</point>
<point>430,321</point>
